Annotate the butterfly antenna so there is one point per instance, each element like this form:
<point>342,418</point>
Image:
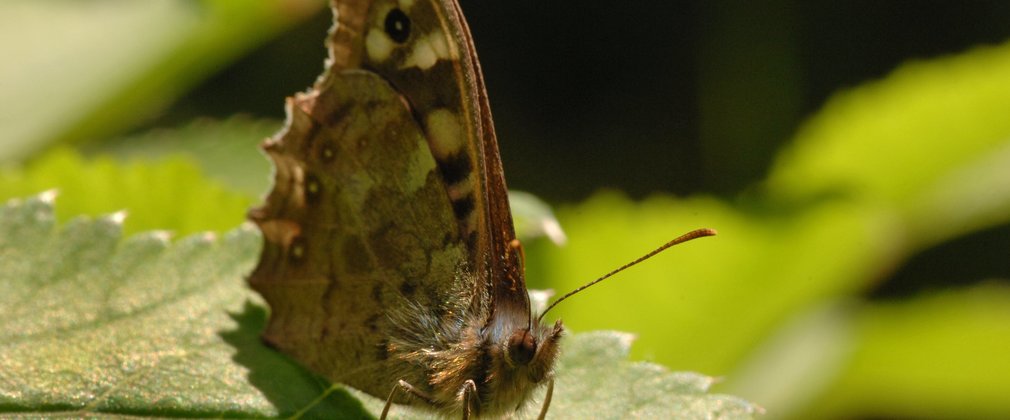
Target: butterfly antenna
<point>694,234</point>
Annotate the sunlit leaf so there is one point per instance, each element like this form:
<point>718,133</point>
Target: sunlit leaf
<point>170,193</point>
<point>97,325</point>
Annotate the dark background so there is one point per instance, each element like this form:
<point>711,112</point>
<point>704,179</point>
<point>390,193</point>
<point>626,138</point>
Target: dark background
<point>694,96</point>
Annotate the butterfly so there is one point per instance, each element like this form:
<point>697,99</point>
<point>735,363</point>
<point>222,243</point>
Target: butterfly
<point>390,262</point>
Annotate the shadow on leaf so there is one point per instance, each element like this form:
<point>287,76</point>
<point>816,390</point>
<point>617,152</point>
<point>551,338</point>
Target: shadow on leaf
<point>289,387</point>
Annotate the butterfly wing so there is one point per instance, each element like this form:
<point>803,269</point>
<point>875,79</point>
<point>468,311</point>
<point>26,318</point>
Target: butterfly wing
<point>358,219</point>
<point>435,68</point>
<point>388,189</point>
<point>507,282</point>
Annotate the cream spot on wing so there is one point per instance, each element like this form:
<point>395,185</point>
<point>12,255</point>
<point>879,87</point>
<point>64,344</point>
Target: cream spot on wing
<point>439,45</point>
<point>427,50</point>
<point>378,45</point>
<point>445,136</point>
<point>421,164</point>
<point>460,189</point>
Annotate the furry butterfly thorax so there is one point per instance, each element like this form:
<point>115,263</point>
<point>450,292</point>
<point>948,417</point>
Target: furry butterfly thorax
<point>390,262</point>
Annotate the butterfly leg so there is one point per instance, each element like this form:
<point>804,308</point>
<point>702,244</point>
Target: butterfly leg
<point>547,400</point>
<point>409,389</point>
<point>469,393</point>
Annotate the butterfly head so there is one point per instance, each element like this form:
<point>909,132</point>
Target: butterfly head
<point>525,344</point>
<point>517,361</point>
<point>533,349</point>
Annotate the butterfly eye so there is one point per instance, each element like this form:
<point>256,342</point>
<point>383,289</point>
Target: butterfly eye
<point>397,25</point>
<point>522,347</point>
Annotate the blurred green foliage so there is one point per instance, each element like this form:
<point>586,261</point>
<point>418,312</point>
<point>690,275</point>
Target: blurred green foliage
<point>775,304</point>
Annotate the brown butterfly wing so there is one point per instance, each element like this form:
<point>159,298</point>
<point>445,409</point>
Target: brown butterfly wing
<point>448,99</point>
<point>389,189</point>
<point>504,263</point>
<point>358,221</point>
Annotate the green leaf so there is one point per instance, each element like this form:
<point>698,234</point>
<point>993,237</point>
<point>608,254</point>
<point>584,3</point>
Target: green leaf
<point>594,381</point>
<point>947,348</point>
<point>930,142</point>
<point>728,291</point>
<point>881,172</point>
<point>227,151</point>
<point>88,69</point>
<point>165,194</point>
<point>97,325</point>
<point>601,385</point>
<point>939,355</point>
<point>93,325</point>
<point>533,218</point>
